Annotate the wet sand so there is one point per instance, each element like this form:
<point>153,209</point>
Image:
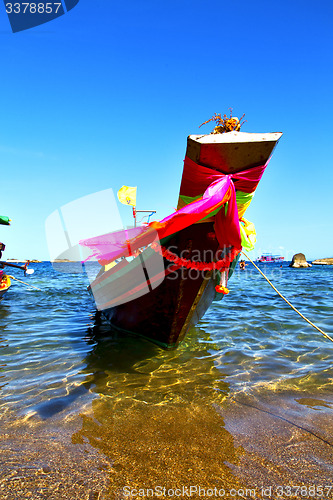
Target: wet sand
<point>240,443</point>
<point>288,442</point>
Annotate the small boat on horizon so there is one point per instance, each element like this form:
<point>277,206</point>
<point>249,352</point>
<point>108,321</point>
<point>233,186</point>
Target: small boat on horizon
<point>269,258</point>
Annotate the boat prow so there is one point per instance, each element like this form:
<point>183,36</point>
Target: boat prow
<point>190,240</point>
<point>233,151</point>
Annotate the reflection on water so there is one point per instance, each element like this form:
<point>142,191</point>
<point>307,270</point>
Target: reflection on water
<point>263,344</point>
<point>124,368</point>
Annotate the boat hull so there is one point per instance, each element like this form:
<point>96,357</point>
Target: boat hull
<point>166,313</point>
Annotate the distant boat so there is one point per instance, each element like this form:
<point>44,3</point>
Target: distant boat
<point>5,282</point>
<point>268,257</point>
<point>221,173</point>
<point>4,279</point>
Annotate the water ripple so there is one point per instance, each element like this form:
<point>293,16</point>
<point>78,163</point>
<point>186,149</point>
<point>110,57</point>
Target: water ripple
<point>52,349</point>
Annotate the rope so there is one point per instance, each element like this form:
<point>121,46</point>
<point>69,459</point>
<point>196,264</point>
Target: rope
<point>27,284</point>
<point>289,304</point>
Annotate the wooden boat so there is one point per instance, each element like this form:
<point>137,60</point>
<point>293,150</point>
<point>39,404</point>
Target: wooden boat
<point>133,294</point>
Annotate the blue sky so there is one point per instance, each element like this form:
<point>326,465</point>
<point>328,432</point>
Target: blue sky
<point>107,94</point>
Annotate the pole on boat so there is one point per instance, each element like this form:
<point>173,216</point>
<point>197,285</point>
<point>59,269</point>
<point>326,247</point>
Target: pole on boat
<point>135,211</point>
<point>134,215</point>
<point>150,212</point>
<point>127,196</point>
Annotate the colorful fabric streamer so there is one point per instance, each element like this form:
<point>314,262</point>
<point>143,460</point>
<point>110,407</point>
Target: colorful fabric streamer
<point>220,190</point>
<point>197,178</point>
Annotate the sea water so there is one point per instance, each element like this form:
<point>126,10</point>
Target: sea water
<point>243,406</point>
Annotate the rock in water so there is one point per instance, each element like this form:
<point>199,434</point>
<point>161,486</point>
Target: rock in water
<point>324,262</point>
<point>299,260</point>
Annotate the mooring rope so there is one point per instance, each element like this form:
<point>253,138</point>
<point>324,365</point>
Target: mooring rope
<point>289,304</point>
<point>24,283</point>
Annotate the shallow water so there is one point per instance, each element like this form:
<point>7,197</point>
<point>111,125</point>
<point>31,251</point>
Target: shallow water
<point>245,402</point>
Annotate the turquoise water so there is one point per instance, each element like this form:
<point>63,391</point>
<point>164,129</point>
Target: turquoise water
<point>76,394</point>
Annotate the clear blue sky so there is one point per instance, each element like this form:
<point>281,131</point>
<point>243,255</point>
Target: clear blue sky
<point>107,94</point>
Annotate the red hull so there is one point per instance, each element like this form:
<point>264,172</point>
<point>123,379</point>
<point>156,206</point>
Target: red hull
<point>166,313</point>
